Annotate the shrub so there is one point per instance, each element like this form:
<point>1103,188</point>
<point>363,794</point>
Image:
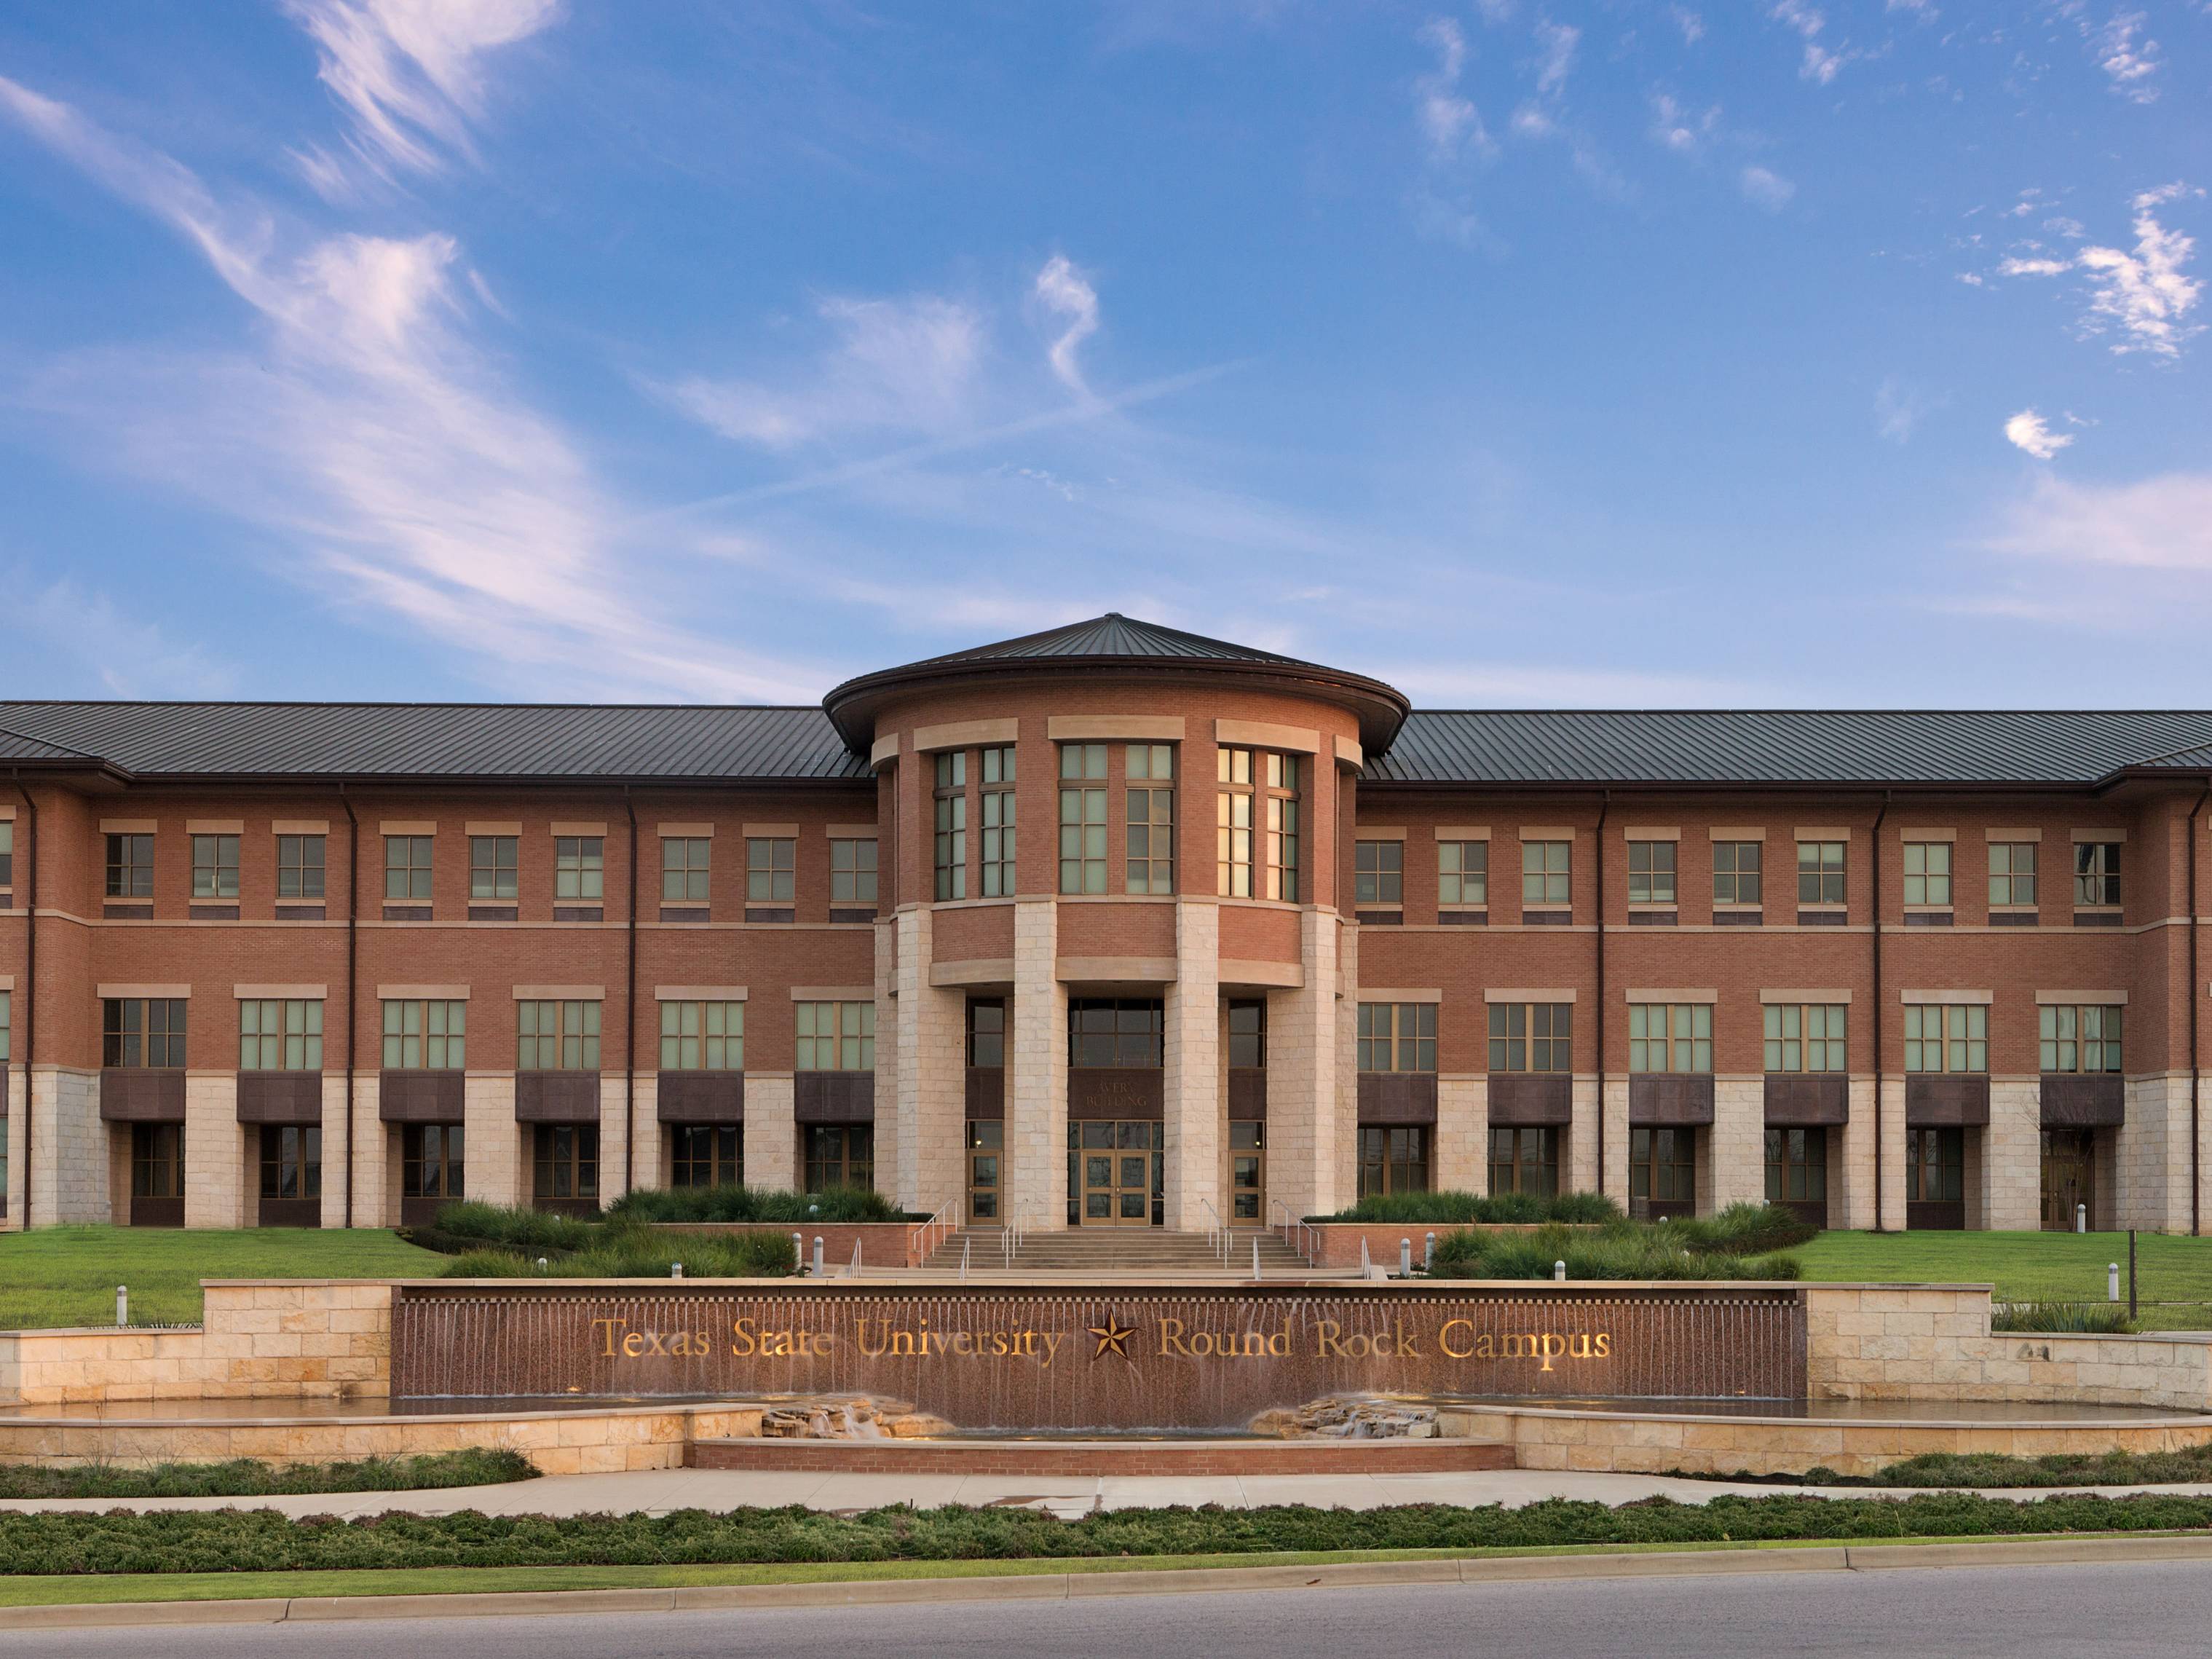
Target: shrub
<point>2085,1318</point>
<point>245,1478</point>
<point>1624,1253</point>
<point>1462,1209</point>
<point>636,1253</point>
<point>1744,1229</point>
<point>785,1208</point>
<point>513,1226</point>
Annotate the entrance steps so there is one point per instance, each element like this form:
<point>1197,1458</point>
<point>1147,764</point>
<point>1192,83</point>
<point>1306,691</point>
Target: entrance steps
<point>1089,1253</point>
<point>1071,1457</point>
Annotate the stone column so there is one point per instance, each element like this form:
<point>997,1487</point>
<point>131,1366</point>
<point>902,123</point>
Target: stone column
<point>337,1154</point>
<point>1303,1137</point>
<point>614,1144</point>
<point>216,1154</point>
<point>16,1106</point>
<point>1462,1153</point>
<point>1037,1073</point>
<point>375,1178</point>
<point>1738,1137</point>
<point>1851,1161</point>
<point>1616,1135</point>
<point>649,1168</point>
<point>67,1170</point>
<point>929,1102</point>
<point>2012,1157</point>
<point>1193,1085</point>
<point>771,1130</point>
<point>2151,1153</point>
<point>495,1171</point>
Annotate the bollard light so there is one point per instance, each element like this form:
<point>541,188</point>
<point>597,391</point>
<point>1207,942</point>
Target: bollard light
<point>1405,1258</point>
<point>121,1304</point>
<point>542,1264</point>
<point>2112,1282</point>
<point>818,1255</point>
<point>1428,1257</point>
<point>676,1270</point>
<point>799,1252</point>
<point>1559,1270</point>
<point>2081,1217</point>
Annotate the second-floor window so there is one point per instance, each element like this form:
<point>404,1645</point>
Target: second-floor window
<point>1545,873</point>
<point>771,870</point>
<point>299,866</point>
<point>1083,817</point>
<point>280,1035</point>
<point>997,804</point>
<point>2011,872</point>
<point>1927,873</point>
<point>2096,872</point>
<point>1247,1036</point>
<point>684,868</point>
<point>495,863</point>
<point>556,1037</point>
<point>130,867</point>
<point>1397,1037</point>
<point>1737,871</point>
<point>950,807</point>
<point>987,1033</point>
<point>1805,1036</point>
<point>580,869</point>
<point>702,1036</point>
<point>1149,771</point>
<point>1651,873</point>
<point>143,1032</point>
<point>1941,1037</point>
<point>214,866</point>
<point>1531,1036</point>
<point>834,1037</point>
<point>425,1034</point>
<point>6,852</point>
<point>852,872</point>
<point>1463,874</point>
<point>1670,1036</point>
<point>1378,873</point>
<point>1115,1031</point>
<point>407,866</point>
<point>1820,872</point>
<point>2079,1038</point>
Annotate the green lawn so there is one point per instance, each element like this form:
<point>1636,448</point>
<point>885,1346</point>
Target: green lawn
<point>2173,1275</point>
<point>61,1276</point>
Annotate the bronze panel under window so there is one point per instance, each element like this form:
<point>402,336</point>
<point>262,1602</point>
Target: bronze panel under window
<point>1738,918</point>
<point>1661,1099</point>
<point>1796,1099</point>
<point>1822,918</point>
<point>1134,1092</point>
<point>579,913</point>
<point>421,1096</point>
<point>556,1098</point>
<point>770,914</point>
<point>2091,1101</point>
<point>115,911</point>
<point>847,915</point>
<point>407,913</point>
<point>700,1097</point>
<point>1464,918</point>
<point>1397,1096</point>
<point>1652,918</point>
<point>1518,1099</point>
<point>1247,1093</point>
<point>986,1093</point>
<point>835,1096</point>
<point>280,1097</point>
<point>131,1093</point>
<point>493,913</point>
<point>1934,1100</point>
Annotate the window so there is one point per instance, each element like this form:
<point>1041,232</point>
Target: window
<point>1397,1037</point>
<point>1378,873</point>
<point>986,1035</point>
<point>2096,872</point>
<point>143,1032</point>
<point>951,825</point>
<point>1797,1166</point>
<point>1082,817</point>
<point>1651,873</point>
<point>684,869</point>
<point>556,1037</point>
<point>1670,1036</point>
<point>1820,872</point>
<point>1525,1160</point>
<point>214,866</point>
<point>1393,1159</point>
<point>2011,872</point>
<point>2079,1039</point>
<point>771,870</point>
<point>1150,769</point>
<point>1463,872</point>
<point>130,867</point>
<point>1232,819</point>
<point>280,1035</point>
<point>998,822</point>
<point>429,1035</point>
<point>1531,1036</point>
<point>580,869</point>
<point>7,1038</point>
<point>852,872</point>
<point>1946,1038</point>
<point>157,1160</point>
<point>492,867</point>
<point>841,1155</point>
<point>1805,1036</point>
<point>291,1161</point>
<point>1736,872</point>
<point>299,866</point>
<point>1246,1169</point>
<point>6,852</point>
<point>836,1036</point>
<point>407,866</point>
<point>702,1036</point>
<point>1247,1036</point>
<point>1927,873</point>
<point>706,1154</point>
<point>1663,1166</point>
<point>433,1161</point>
<point>1115,1031</point>
<point>1279,790</point>
<point>566,1160</point>
<point>1543,873</point>
<point>1935,1166</point>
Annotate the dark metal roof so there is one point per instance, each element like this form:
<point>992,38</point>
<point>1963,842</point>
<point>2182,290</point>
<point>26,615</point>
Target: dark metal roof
<point>23,749</point>
<point>1784,745</point>
<point>1112,635</point>
<point>439,740</point>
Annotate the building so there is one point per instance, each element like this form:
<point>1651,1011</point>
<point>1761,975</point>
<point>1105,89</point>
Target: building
<point>1112,925</point>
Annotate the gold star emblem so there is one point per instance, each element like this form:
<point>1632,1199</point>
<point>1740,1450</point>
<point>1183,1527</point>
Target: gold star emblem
<point>1112,1335</point>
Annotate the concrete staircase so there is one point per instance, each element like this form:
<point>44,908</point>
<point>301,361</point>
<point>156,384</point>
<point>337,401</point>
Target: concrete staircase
<point>1122,1253</point>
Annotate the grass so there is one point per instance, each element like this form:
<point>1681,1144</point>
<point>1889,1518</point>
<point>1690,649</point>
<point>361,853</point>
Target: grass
<point>63,1276</point>
<point>2173,1273</point>
<point>245,1477</point>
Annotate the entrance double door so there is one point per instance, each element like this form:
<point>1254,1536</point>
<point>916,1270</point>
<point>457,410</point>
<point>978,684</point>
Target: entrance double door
<point>1114,1175</point>
<point>2069,1178</point>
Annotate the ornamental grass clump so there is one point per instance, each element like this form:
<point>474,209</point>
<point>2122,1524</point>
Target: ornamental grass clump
<point>725,1203</point>
<point>631,1252</point>
<point>1466,1209</point>
<point>1626,1252</point>
<point>2064,1318</point>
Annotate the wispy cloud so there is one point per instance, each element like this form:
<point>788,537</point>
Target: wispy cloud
<point>2128,58</point>
<point>1448,121</point>
<point>1764,187</point>
<point>1692,25</point>
<point>1686,133</point>
<point>126,656</point>
<point>1899,407</point>
<point>1065,292</point>
<point>2028,431</point>
<point>2143,296</point>
<point>1561,685</point>
<point>1819,62</point>
<point>1555,56</point>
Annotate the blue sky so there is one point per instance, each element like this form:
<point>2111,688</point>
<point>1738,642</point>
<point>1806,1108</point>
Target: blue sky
<point>1615,353</point>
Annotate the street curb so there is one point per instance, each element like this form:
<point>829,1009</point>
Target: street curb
<point>1060,1586</point>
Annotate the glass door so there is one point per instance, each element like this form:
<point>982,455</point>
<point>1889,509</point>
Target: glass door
<point>2069,1178</point>
<point>1248,1171</point>
<point>1114,1167</point>
<point>987,1139</point>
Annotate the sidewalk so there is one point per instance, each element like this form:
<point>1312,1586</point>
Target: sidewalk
<point>659,1491</point>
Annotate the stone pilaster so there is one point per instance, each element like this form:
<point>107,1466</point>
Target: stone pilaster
<point>1616,1136</point>
<point>18,1168</point>
<point>614,1138</point>
<point>337,1154</point>
<point>1196,1107</point>
<point>1738,1143</point>
<point>68,1168</point>
<point>1460,1155</point>
<point>931,1089</point>
<point>216,1154</point>
<point>893,1131</point>
<point>498,1170</point>
<point>1037,1073</point>
<point>1302,1136</point>
<point>1892,1151</point>
<point>375,1157</point>
<point>650,1159</point>
<point>2012,1157</point>
<point>771,1130</point>
<point>1851,1161</point>
<point>2150,1154</point>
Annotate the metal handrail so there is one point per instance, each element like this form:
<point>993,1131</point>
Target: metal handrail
<point>854,1272</point>
<point>1012,1235</point>
<point>1297,1233</point>
<point>944,1222</point>
<point>967,1243</point>
<point>1216,1235</point>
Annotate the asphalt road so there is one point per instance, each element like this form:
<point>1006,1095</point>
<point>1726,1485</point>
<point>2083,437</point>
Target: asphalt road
<point>2111,1611</point>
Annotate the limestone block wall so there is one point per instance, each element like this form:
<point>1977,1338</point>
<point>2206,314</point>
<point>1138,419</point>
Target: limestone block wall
<point>2011,1185</point>
<point>1460,1155</point>
<point>68,1166</point>
<point>1192,1177</point>
<point>928,1093</point>
<point>495,1174</point>
<point>14,1108</point>
<point>651,1166</point>
<point>334,1153</point>
<point>1735,1145</point>
<point>1301,1132</point>
<point>1850,1161</point>
<point>893,1137</point>
<point>1037,1081</point>
<point>771,1130</point>
<point>2150,1173</point>
<point>216,1194</point>
<point>614,1139</point>
<point>1616,1135</point>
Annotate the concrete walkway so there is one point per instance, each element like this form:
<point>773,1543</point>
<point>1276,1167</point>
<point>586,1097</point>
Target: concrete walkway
<point>657,1492</point>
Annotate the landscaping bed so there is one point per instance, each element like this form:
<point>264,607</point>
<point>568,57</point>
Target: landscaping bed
<point>715,1232</point>
<point>1954,1470</point>
<point>246,1477</point>
<point>1743,1242</point>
